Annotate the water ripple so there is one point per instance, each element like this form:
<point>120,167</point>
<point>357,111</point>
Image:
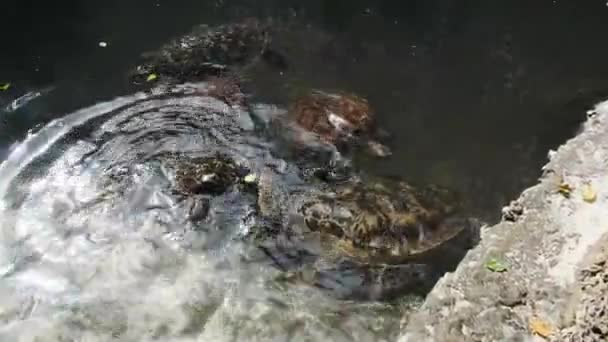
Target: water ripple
<point>95,245</point>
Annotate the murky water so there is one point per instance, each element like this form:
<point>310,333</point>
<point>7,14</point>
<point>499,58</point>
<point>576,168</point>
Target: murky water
<point>96,245</point>
<point>474,95</point>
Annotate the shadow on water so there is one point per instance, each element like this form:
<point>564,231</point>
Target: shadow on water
<point>474,93</point>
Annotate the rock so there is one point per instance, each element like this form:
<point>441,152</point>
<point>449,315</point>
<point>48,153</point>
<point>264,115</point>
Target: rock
<point>557,256</point>
<point>512,295</point>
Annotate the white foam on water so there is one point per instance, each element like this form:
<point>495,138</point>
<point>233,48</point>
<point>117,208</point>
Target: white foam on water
<point>77,268</point>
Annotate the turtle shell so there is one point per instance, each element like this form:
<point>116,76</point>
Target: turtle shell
<point>209,51</point>
<point>212,174</point>
<point>383,221</point>
<point>341,119</point>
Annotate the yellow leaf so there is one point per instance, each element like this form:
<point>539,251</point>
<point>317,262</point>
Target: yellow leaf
<point>589,194</point>
<point>540,327</point>
<point>495,265</point>
<point>151,77</point>
<point>565,189</point>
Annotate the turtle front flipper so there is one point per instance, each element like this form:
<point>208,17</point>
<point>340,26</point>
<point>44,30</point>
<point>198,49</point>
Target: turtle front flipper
<point>271,238</point>
<point>270,196</point>
<point>268,206</point>
<point>449,242</point>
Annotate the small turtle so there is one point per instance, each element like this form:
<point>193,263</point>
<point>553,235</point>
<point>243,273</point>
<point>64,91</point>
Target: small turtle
<point>340,119</point>
<point>209,51</point>
<point>319,130</point>
<point>269,196</point>
<point>270,204</point>
<point>207,175</point>
<point>197,181</point>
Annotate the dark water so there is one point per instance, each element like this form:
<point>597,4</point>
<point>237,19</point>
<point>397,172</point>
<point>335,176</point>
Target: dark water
<point>474,92</point>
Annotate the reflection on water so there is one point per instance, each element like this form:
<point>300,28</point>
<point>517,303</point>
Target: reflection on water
<point>473,93</point>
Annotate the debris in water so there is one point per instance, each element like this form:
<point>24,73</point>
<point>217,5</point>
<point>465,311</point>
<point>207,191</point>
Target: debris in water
<point>251,178</point>
<point>589,194</point>
<point>151,77</point>
<point>495,266</point>
<point>103,44</point>
<point>565,189</point>
<point>4,86</point>
<point>540,327</point>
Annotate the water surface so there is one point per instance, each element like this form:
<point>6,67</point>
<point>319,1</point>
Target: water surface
<point>474,94</point>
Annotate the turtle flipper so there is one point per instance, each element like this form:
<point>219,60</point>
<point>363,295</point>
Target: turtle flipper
<point>270,196</point>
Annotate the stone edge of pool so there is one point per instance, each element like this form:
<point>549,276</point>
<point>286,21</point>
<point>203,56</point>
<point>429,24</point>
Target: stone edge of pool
<point>545,253</point>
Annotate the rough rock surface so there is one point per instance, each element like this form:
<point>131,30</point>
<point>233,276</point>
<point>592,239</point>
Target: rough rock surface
<point>555,286</point>
<point>589,304</point>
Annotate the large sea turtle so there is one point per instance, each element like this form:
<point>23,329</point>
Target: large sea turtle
<point>209,51</point>
<point>366,237</point>
<point>383,220</point>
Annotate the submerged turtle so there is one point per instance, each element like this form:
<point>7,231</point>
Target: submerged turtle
<point>383,221</point>
<point>372,238</point>
<point>340,119</point>
<point>197,180</point>
<point>208,51</point>
<point>378,231</point>
<point>212,174</point>
<point>320,130</point>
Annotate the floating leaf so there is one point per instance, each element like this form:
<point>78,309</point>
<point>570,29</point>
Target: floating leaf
<point>565,189</point>
<point>250,178</point>
<point>495,265</point>
<point>589,194</point>
<point>540,327</point>
<point>151,77</point>
<point>4,86</point>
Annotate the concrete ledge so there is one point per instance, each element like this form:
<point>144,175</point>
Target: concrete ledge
<point>544,251</point>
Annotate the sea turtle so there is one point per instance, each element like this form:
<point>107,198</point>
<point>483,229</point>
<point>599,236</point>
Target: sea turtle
<point>383,221</point>
<point>370,238</point>
<point>339,118</point>
<point>209,51</point>
<point>320,130</point>
<point>212,174</point>
<point>197,180</point>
